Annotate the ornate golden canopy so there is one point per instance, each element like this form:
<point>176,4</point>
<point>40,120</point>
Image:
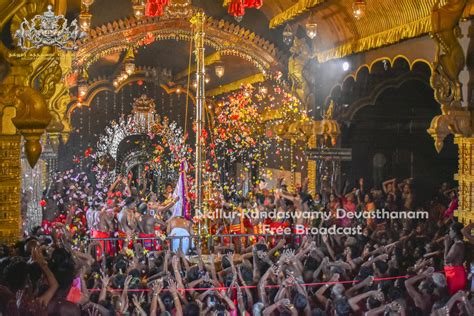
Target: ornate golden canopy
<point>227,38</point>
<point>385,22</point>
<point>340,34</point>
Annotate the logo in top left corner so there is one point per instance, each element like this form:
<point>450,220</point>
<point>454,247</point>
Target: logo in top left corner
<point>49,30</point>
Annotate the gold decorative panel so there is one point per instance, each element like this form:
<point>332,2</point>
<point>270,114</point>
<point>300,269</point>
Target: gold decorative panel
<point>10,170</point>
<point>465,178</point>
<point>312,167</point>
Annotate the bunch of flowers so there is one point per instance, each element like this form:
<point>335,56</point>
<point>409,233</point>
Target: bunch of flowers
<point>241,130</point>
<point>237,131</point>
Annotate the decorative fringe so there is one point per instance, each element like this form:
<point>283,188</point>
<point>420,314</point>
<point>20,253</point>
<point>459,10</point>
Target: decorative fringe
<point>392,36</point>
<point>294,11</point>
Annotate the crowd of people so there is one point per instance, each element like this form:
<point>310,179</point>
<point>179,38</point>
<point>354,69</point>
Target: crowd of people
<point>68,266</point>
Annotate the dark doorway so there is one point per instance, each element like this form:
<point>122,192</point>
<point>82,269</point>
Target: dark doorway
<point>389,140</point>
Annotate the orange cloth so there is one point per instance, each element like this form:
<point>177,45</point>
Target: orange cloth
<point>236,229</point>
<point>122,234</point>
<point>369,208</point>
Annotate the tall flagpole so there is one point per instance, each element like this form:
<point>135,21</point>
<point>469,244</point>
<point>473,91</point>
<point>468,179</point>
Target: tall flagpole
<point>198,22</point>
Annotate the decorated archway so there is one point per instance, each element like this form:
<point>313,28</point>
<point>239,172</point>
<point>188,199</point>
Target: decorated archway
<point>362,88</point>
<point>143,144</point>
<point>225,37</point>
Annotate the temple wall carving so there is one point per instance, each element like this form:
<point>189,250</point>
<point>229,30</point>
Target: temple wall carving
<point>10,183</point>
<point>465,178</point>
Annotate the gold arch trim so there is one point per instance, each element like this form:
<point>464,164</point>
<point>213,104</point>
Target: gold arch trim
<point>391,61</point>
<point>369,67</point>
<point>370,99</point>
<point>225,37</point>
<point>104,85</point>
<point>293,12</point>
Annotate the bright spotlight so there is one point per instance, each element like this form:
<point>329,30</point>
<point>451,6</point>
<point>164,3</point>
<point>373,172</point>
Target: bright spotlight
<point>345,66</point>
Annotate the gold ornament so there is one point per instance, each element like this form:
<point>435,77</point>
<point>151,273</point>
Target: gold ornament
<point>449,62</point>
<point>31,120</point>
<point>300,56</point>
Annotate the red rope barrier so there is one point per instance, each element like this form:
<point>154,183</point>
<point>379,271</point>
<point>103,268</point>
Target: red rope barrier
<point>269,286</point>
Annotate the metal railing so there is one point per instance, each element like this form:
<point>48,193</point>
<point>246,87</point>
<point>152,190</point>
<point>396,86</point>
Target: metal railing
<point>239,241</point>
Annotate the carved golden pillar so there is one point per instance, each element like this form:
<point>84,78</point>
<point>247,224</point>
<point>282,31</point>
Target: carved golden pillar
<point>10,183</point>
<point>456,117</point>
<point>27,85</point>
<point>23,109</point>
<point>312,167</point>
<point>465,178</point>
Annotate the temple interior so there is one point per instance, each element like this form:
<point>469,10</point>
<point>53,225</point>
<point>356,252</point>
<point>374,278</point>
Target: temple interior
<point>328,141</point>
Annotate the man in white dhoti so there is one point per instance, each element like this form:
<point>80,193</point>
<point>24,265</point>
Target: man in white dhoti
<point>179,227</point>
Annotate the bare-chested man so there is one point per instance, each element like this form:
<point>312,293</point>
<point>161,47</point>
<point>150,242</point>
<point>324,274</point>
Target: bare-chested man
<point>106,227</point>
<point>99,228</point>
<point>147,225</point>
<point>109,219</point>
<point>179,227</point>
<point>91,217</point>
<point>157,208</point>
<point>127,222</point>
<point>408,197</point>
<point>454,250</point>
